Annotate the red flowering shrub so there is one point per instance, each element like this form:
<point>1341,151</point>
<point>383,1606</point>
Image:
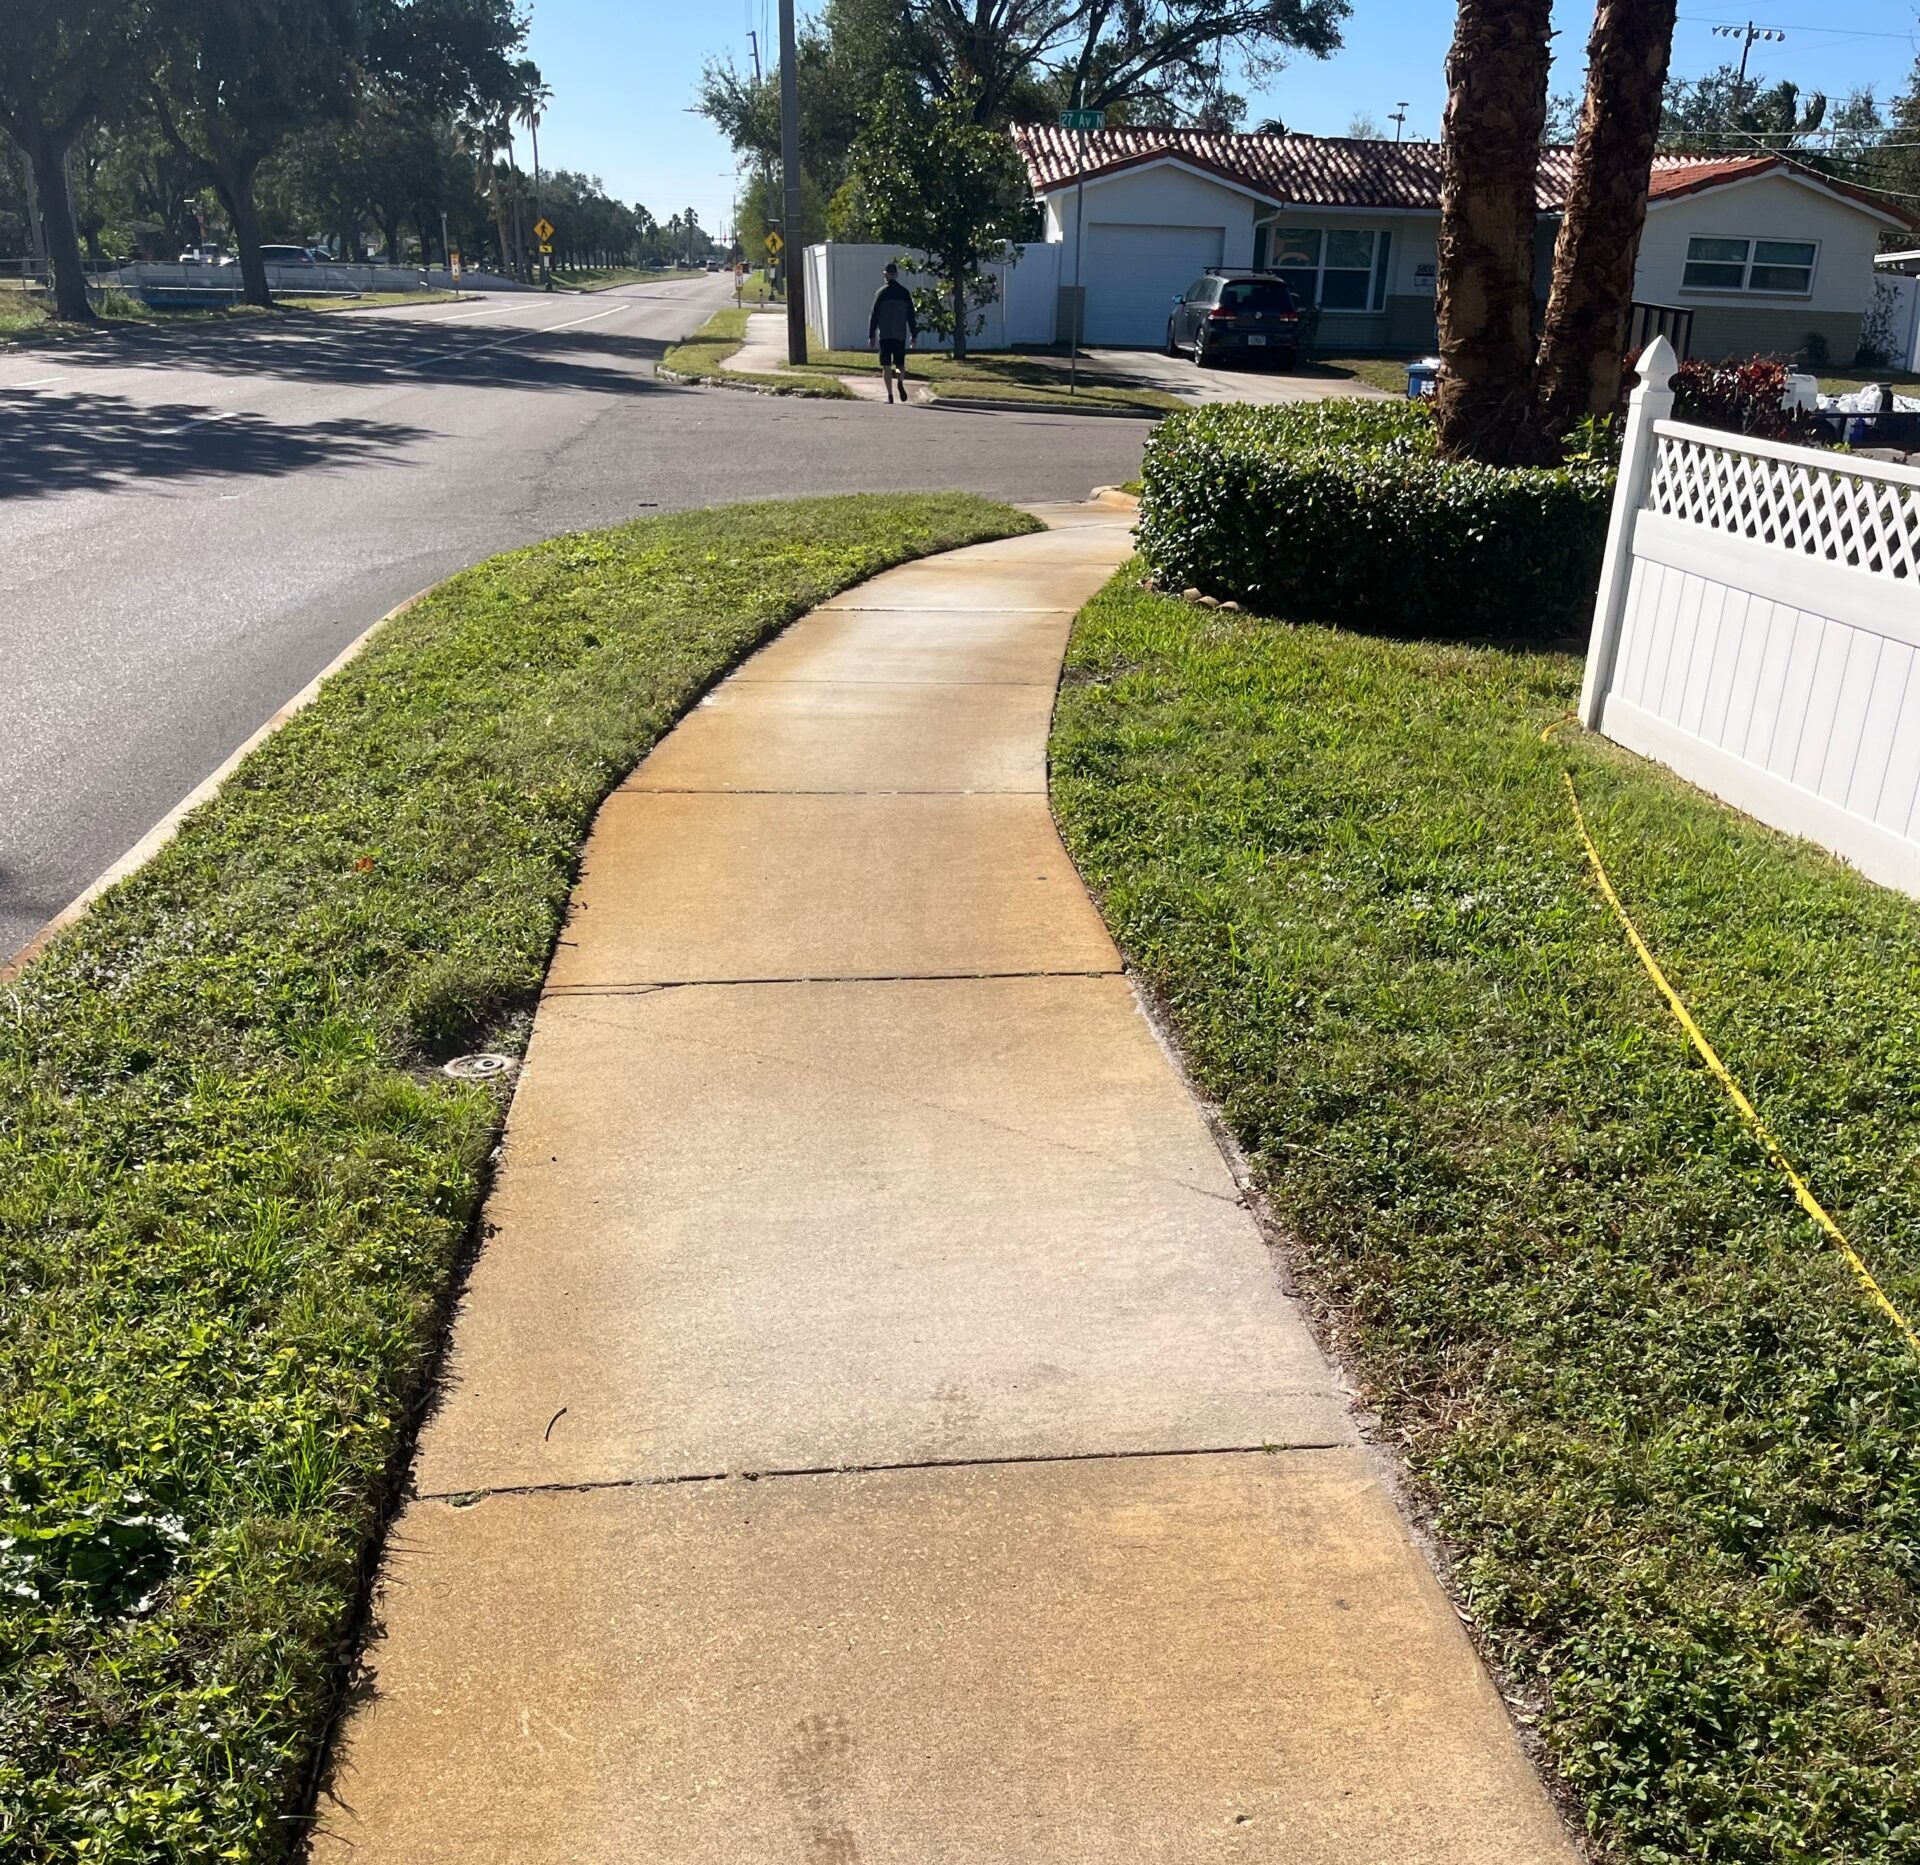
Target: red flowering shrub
<point>1742,398</point>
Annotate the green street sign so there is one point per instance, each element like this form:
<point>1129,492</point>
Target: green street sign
<point>1083,119</point>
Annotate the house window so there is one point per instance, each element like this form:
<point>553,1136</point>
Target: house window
<point>1778,266</point>
<point>1337,268</point>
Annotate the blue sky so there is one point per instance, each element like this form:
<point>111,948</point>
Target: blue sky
<point>623,74</point>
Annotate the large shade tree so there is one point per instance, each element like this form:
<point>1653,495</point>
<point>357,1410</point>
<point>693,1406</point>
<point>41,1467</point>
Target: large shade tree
<point>236,79</point>
<point>61,63</point>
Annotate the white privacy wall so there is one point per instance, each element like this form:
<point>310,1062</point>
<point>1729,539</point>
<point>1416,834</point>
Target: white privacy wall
<point>842,280</point>
<point>1758,631</point>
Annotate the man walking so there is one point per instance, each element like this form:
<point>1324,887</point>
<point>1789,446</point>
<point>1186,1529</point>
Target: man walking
<point>893,326</point>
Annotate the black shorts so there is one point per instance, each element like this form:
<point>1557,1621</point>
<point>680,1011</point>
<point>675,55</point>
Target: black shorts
<point>893,353</point>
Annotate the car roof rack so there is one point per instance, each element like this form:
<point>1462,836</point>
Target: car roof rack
<point>1241,272</point>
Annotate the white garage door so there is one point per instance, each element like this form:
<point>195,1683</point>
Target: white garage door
<point>1134,274</point>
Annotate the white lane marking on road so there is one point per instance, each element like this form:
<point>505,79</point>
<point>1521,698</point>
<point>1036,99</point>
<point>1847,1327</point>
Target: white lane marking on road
<point>520,336</point>
<point>462,316</point>
<point>199,420</point>
<point>39,382</point>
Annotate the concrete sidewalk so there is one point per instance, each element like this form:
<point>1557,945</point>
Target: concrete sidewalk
<point>764,353</point>
<point>876,1429</point>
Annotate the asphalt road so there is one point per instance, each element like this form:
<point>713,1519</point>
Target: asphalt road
<point>193,523</point>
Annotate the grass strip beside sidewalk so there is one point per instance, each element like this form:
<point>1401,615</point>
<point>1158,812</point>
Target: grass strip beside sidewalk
<point>996,376</point>
<point>234,1185</point>
<point>1675,1452</point>
<point>704,356</point>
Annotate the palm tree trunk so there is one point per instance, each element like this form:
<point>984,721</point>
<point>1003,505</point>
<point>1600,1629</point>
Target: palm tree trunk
<point>1592,296</point>
<point>1496,109</point>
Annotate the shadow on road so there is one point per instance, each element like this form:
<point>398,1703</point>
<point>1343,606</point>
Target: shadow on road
<point>80,442</point>
<point>368,350</point>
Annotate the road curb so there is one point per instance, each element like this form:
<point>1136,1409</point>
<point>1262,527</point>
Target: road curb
<point>990,404</point>
<point>685,379</point>
<point>163,831</point>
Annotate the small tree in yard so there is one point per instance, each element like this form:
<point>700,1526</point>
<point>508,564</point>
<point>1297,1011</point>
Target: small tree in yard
<point>934,180</point>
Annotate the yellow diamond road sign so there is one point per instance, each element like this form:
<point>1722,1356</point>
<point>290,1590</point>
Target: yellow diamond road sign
<point>543,228</point>
<point>774,242</point>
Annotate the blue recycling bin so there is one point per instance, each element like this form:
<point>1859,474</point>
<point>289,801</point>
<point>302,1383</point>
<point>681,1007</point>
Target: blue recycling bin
<point>1423,379</point>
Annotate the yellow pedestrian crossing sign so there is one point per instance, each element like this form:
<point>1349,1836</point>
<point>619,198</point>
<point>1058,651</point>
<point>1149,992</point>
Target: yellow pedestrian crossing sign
<point>774,242</point>
<point>543,228</point>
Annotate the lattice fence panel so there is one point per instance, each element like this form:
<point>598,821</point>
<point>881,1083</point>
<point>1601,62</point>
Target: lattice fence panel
<point>1811,506</point>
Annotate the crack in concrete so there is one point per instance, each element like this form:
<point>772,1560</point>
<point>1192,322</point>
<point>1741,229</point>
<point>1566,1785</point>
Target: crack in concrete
<point>467,1498</point>
<point>639,987</point>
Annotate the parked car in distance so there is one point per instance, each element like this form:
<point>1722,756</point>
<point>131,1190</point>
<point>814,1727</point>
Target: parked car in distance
<point>1236,316</point>
<point>288,255</point>
<point>205,256</point>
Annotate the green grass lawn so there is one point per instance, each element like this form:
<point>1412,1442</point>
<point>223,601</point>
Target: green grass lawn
<point>599,280</point>
<point>1674,1451</point>
<point>366,300</point>
<point>1905,381</point>
<point>234,1184</point>
<point>25,319</point>
<point>707,353</point>
<point>1000,376</point>
<point>1379,372</point>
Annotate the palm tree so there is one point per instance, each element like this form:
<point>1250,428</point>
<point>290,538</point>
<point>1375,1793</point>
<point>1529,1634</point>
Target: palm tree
<point>532,95</point>
<point>1591,302</point>
<point>1496,109</point>
<point>485,136</point>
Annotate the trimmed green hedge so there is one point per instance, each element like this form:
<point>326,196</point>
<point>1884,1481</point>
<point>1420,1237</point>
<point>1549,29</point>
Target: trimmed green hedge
<point>1343,512</point>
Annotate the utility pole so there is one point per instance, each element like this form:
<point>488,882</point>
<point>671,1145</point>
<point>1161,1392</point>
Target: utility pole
<point>1747,35</point>
<point>790,178</point>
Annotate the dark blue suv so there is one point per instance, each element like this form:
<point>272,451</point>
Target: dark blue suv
<point>1236,317</point>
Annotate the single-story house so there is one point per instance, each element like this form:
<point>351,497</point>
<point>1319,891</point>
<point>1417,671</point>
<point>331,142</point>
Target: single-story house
<point>1762,251</point>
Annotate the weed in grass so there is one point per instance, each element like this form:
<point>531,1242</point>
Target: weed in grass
<point>1675,1451</point>
<point>233,1188</point>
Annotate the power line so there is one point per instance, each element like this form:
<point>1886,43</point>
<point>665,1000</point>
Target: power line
<point>1733,28</point>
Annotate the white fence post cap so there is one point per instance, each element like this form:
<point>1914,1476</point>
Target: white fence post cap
<point>1656,364</point>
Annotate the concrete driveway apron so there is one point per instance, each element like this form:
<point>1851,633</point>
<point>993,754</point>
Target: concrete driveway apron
<point>875,1428</point>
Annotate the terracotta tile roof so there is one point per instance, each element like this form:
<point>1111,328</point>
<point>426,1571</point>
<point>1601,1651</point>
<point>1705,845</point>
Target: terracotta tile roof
<point>1323,171</point>
<point>1677,180</point>
<point>1676,175</point>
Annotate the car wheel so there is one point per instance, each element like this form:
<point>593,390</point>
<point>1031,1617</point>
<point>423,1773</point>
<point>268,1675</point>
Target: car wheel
<point>1173,342</point>
<point>1199,350</point>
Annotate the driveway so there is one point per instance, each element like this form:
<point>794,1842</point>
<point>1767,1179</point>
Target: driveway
<point>1149,369</point>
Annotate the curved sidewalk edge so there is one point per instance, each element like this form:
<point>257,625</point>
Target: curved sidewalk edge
<point>875,1427</point>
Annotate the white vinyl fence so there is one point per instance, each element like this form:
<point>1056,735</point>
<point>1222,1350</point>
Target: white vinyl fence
<point>1758,626</point>
<point>842,279</point>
